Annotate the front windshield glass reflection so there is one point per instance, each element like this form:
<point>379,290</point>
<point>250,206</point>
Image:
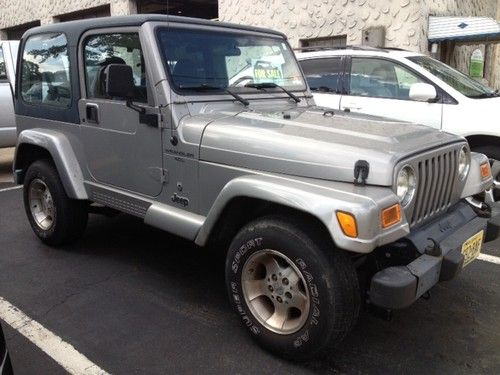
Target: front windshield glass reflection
<point>210,60</point>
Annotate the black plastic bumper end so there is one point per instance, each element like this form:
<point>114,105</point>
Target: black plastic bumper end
<point>393,288</point>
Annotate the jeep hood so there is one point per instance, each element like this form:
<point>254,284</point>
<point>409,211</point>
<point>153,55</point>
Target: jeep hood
<point>311,143</point>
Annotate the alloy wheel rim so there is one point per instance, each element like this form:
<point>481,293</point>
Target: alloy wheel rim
<point>275,291</point>
<point>41,204</point>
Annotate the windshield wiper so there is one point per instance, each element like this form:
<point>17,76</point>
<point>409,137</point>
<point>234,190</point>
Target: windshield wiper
<point>206,87</point>
<point>492,94</point>
<point>272,85</point>
<point>485,95</point>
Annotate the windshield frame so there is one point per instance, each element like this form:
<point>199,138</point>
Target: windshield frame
<point>158,29</point>
<point>476,85</point>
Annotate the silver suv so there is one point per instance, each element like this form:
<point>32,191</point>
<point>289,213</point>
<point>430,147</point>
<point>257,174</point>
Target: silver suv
<point>208,130</point>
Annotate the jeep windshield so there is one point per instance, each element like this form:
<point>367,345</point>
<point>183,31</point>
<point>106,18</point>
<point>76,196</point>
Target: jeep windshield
<point>221,60</point>
<point>459,81</point>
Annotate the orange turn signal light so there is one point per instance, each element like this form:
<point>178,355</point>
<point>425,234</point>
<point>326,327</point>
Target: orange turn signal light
<point>348,224</point>
<point>485,170</point>
<point>391,215</point>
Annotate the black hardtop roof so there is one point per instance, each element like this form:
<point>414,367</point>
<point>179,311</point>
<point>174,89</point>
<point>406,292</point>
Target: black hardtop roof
<point>80,26</point>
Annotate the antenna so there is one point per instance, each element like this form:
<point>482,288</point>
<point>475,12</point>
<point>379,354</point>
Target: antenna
<point>173,137</point>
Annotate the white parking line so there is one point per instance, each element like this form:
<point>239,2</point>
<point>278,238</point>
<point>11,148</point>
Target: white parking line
<point>489,258</point>
<point>54,346</point>
<point>12,188</point>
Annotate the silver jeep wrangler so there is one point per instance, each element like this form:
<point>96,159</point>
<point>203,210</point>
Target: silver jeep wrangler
<point>208,130</point>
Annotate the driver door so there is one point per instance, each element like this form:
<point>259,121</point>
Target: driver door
<point>120,150</point>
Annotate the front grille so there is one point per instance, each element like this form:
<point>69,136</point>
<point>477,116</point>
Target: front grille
<point>437,176</point>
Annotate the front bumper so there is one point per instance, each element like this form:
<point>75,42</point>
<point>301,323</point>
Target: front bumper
<point>399,286</point>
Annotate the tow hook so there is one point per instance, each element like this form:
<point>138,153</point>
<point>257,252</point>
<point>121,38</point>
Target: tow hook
<point>433,248</point>
<point>481,208</point>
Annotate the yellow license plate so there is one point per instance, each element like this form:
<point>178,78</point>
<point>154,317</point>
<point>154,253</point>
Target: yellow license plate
<point>472,247</point>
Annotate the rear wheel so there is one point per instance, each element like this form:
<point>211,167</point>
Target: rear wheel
<point>54,217</point>
<point>298,296</point>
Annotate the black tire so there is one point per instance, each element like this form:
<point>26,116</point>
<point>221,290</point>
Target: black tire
<point>329,276</point>
<point>70,215</point>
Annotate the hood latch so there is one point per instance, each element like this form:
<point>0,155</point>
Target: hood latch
<point>361,171</point>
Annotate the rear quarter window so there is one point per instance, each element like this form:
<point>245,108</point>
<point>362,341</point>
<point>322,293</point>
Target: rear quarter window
<point>45,74</point>
<point>323,74</point>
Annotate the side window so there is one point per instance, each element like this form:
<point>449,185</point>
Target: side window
<point>3,72</point>
<point>45,76</point>
<point>104,49</point>
<point>381,79</point>
<point>323,75</point>
<point>405,78</point>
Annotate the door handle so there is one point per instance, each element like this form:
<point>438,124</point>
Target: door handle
<point>92,113</point>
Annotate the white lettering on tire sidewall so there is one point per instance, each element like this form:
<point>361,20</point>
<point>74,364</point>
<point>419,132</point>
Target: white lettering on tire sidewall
<point>250,244</point>
<point>239,301</point>
<point>315,307</point>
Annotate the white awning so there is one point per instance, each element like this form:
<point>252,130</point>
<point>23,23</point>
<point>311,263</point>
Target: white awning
<point>463,29</point>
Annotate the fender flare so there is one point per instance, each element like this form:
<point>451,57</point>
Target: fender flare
<point>319,201</point>
<point>258,187</point>
<point>59,148</point>
<point>475,183</point>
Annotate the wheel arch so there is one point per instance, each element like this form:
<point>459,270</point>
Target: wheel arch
<point>478,140</point>
<point>36,144</point>
<point>230,220</point>
<point>248,197</point>
<point>258,194</point>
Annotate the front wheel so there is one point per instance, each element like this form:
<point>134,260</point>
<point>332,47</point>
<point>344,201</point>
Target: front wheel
<point>54,217</point>
<point>297,296</point>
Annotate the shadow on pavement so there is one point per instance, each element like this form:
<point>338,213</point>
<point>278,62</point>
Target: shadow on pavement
<point>448,333</point>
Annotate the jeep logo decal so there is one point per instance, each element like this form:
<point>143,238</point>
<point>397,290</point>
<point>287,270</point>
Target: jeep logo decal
<point>181,200</point>
<point>445,226</point>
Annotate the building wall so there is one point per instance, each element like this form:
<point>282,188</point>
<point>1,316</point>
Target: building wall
<point>300,19</point>
<point>405,21</point>
<point>24,11</point>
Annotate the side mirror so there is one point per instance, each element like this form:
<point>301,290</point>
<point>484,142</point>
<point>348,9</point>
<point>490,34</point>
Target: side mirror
<point>423,92</point>
<point>119,81</point>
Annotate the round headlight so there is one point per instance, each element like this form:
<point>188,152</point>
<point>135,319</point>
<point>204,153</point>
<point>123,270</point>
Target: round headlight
<point>463,163</point>
<point>406,185</point>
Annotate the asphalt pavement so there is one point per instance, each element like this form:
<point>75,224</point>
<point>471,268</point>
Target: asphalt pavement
<point>134,299</point>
